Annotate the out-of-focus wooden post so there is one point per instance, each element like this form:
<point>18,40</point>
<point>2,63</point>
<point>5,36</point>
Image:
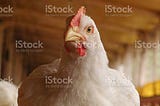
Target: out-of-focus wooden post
<point>156,51</point>
<point>1,48</point>
<point>12,63</point>
<point>7,55</point>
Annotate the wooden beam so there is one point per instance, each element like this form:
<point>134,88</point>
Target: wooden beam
<point>38,31</point>
<point>1,49</point>
<point>135,21</point>
<point>152,5</point>
<point>38,18</point>
<point>8,53</point>
<point>115,47</point>
<point>118,35</point>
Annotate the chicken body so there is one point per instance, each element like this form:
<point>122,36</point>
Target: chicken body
<point>88,79</point>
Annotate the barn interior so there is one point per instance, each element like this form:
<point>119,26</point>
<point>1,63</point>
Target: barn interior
<point>122,34</point>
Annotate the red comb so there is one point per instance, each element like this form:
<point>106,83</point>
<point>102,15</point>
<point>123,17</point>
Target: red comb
<point>76,19</point>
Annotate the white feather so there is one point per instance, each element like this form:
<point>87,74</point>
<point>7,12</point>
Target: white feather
<point>8,94</point>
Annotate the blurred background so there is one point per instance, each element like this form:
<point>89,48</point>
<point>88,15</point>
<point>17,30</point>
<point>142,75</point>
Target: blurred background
<point>130,31</point>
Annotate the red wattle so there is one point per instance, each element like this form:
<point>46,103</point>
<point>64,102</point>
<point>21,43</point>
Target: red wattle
<point>81,51</point>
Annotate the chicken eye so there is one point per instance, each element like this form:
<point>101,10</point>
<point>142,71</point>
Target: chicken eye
<point>90,29</point>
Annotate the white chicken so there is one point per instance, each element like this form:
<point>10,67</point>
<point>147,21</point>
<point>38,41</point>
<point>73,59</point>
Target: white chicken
<point>8,94</point>
<point>81,77</point>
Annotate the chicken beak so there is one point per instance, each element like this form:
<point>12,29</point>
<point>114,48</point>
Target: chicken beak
<point>73,35</point>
